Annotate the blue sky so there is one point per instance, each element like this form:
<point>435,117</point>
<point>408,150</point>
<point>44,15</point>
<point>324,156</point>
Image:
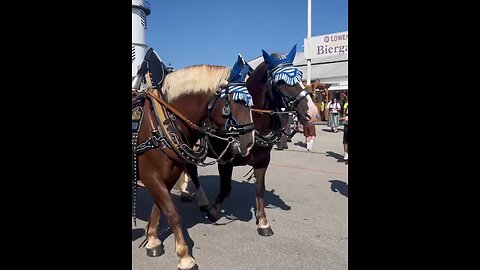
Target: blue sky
<point>190,32</point>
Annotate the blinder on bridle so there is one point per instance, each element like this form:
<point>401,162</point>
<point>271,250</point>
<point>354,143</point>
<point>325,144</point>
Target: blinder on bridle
<point>232,126</point>
<point>226,111</point>
<point>238,89</point>
<point>154,67</point>
<point>287,74</point>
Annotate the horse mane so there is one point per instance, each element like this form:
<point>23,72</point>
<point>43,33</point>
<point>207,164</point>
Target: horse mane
<point>200,78</point>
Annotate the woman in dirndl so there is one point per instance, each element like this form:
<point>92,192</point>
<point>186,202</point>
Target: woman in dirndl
<point>333,115</point>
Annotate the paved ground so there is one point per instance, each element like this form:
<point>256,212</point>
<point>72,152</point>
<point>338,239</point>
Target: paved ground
<point>307,200</point>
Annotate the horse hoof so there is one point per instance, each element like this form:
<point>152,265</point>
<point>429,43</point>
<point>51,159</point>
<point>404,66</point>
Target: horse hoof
<point>195,267</point>
<point>212,217</point>
<point>204,208</point>
<point>186,199</point>
<point>265,231</point>
<point>156,251</point>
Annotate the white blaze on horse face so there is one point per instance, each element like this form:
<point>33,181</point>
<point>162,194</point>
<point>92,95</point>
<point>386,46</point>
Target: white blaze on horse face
<point>312,109</point>
<point>301,85</point>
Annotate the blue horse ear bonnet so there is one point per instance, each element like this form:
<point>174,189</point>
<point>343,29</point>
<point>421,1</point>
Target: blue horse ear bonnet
<point>273,62</point>
<point>237,78</point>
<point>282,68</point>
<point>239,71</point>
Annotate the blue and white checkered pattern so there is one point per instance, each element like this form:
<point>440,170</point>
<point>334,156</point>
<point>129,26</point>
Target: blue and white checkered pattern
<point>239,93</point>
<point>290,74</point>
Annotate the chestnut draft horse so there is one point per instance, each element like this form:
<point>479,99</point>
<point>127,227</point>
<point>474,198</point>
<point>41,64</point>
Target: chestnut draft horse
<point>172,120</point>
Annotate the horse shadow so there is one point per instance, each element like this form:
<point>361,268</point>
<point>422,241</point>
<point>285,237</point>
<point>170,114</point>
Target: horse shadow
<point>331,131</point>
<point>339,157</point>
<point>339,186</point>
<point>301,144</point>
<point>237,207</point>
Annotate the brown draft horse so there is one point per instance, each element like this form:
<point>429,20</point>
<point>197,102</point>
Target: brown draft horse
<point>189,91</point>
<point>274,84</point>
<point>272,89</point>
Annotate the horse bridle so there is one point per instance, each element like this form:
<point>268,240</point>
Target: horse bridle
<point>288,106</point>
<point>232,129</point>
<point>232,126</point>
<point>290,102</point>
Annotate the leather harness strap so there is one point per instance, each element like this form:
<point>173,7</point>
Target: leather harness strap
<point>177,113</point>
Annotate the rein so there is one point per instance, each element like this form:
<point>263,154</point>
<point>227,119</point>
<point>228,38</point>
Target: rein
<point>232,127</point>
<point>271,112</point>
<point>166,134</point>
<point>174,111</point>
<point>275,135</point>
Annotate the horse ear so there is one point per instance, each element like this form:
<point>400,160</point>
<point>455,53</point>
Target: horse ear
<point>239,63</point>
<point>240,58</point>
<point>236,69</point>
<point>245,64</point>
<point>244,74</point>
<point>267,58</point>
<point>291,55</point>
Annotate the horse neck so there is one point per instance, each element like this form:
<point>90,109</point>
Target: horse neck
<point>258,87</point>
<point>194,107</point>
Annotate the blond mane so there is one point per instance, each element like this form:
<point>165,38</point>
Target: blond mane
<point>201,78</point>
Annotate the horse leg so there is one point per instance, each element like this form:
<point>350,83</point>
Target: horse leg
<point>163,200</point>
<point>182,185</point>
<point>225,171</point>
<point>264,228</point>
<point>154,247</point>
<point>200,195</point>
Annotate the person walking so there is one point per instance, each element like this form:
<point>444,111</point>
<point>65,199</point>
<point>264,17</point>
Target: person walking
<point>333,115</point>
